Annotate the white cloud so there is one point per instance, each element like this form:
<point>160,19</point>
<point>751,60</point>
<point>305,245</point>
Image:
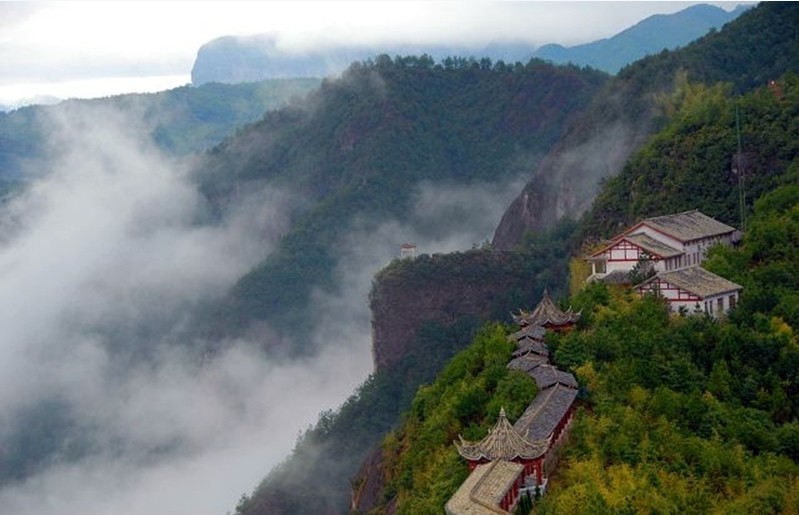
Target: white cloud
<point>74,39</point>
<point>102,263</point>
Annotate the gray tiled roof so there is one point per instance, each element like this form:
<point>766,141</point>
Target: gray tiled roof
<point>527,362</point>
<point>534,346</point>
<point>653,246</point>
<point>547,375</point>
<point>698,281</point>
<point>545,412</point>
<point>689,225</point>
<point>529,331</point>
<point>482,492</point>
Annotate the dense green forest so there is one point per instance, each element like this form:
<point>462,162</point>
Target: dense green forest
<point>679,413</point>
<point>690,414</point>
<point>335,447</point>
<point>691,162</point>
<point>364,145</point>
<point>686,166</point>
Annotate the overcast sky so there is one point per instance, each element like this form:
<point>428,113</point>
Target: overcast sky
<point>89,49</point>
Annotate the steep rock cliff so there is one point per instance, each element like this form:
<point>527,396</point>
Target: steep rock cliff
<point>443,289</point>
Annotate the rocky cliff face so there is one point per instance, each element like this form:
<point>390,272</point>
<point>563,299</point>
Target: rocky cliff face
<point>443,289</point>
<point>568,179</point>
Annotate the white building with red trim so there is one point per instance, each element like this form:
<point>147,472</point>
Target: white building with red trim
<point>675,245</point>
<point>670,242</point>
<point>694,290</point>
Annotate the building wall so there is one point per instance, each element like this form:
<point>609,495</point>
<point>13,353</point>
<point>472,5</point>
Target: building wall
<point>715,305</point>
<point>624,255</point>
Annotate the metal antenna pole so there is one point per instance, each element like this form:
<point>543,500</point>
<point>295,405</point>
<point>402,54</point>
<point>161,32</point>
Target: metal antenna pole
<point>741,169</point>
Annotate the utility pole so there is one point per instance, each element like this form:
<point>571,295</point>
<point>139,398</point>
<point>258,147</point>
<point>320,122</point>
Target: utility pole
<point>739,167</point>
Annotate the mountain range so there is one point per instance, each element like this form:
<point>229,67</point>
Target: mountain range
<point>647,37</point>
<point>411,148</point>
<point>678,169</point>
<point>233,59</point>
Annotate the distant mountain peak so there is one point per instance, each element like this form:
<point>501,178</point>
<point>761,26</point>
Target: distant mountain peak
<point>649,36</point>
<point>231,59</point>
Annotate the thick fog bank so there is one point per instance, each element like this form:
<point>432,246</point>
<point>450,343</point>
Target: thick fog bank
<point>104,406</point>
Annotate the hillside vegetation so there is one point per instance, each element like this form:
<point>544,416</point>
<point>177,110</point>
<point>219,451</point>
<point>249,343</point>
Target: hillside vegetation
<point>688,414</point>
<point>759,46</point>
<point>365,144</point>
<point>691,162</point>
<point>341,440</point>
<point>679,413</point>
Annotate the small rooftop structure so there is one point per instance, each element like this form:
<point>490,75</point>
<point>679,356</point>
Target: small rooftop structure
<point>527,363</point>
<point>534,332</point>
<point>503,442</point>
<point>547,315</point>
<point>547,375</point>
<point>408,250</point>
<point>531,346</point>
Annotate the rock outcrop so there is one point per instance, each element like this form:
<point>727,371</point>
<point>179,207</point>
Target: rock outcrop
<point>443,289</point>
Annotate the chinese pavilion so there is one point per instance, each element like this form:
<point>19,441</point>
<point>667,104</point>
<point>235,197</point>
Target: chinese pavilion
<point>547,315</point>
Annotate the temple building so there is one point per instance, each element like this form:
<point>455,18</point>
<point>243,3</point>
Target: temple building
<point>501,464</point>
<point>514,459</point>
<point>694,290</point>
<point>670,242</point>
<point>408,250</point>
<point>674,246</point>
<point>547,315</point>
<point>503,442</point>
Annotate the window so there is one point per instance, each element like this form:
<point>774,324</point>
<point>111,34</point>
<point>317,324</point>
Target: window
<point>600,267</point>
<point>732,300</point>
<point>720,304</point>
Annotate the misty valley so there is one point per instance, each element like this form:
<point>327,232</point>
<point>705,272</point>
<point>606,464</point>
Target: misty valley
<point>289,289</point>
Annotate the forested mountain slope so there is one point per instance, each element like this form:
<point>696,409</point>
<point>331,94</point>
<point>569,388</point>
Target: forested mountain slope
<point>680,413</point>
<point>692,162</point>
<point>450,286</point>
<point>761,45</point>
<point>181,120</point>
<point>688,414</point>
<point>363,150</point>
